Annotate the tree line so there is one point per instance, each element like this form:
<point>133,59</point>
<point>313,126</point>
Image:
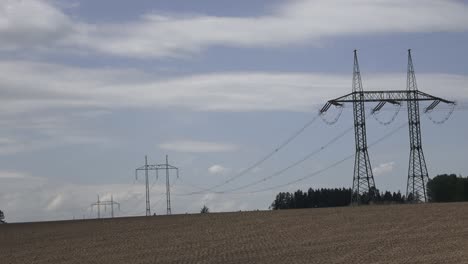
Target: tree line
<point>324,197</point>
<point>442,188</point>
<point>448,188</point>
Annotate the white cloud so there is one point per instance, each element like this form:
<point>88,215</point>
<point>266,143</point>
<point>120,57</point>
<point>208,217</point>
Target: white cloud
<point>162,35</point>
<point>13,175</point>
<point>55,203</point>
<point>33,23</point>
<point>18,176</point>
<point>6,141</point>
<point>217,169</point>
<point>51,86</point>
<point>54,100</point>
<point>222,203</point>
<point>47,200</point>
<point>384,168</point>
<point>191,146</point>
<point>46,130</point>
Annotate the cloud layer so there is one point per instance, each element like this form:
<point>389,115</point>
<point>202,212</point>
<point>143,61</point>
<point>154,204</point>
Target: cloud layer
<point>191,146</point>
<point>384,168</point>
<point>217,169</point>
<point>44,200</point>
<point>50,86</point>
<point>162,35</point>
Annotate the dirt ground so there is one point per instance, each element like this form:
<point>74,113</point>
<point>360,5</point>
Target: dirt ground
<point>426,233</point>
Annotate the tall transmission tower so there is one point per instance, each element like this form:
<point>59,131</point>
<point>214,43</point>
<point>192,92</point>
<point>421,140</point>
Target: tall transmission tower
<point>168,167</point>
<point>417,170</point>
<point>363,178</point>
<point>147,168</point>
<point>110,203</point>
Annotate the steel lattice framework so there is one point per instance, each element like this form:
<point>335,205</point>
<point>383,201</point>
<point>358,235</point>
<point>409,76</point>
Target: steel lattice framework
<point>417,170</point>
<point>147,168</point>
<point>100,203</point>
<point>363,181</point>
<point>363,178</point>
<point>394,97</point>
<point>166,167</point>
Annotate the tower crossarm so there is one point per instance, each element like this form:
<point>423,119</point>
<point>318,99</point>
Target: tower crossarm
<point>394,97</point>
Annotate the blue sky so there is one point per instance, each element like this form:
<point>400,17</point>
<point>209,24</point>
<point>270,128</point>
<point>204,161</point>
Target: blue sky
<point>88,88</point>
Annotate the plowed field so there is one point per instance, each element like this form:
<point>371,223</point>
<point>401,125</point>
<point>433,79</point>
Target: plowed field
<point>427,233</point>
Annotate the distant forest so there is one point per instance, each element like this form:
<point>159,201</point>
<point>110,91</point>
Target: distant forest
<point>448,188</point>
<point>442,188</point>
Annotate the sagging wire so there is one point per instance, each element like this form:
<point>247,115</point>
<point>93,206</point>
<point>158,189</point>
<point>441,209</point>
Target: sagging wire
<point>333,165</point>
<point>443,120</point>
<point>386,123</point>
<point>306,157</point>
<point>335,119</point>
<point>262,160</point>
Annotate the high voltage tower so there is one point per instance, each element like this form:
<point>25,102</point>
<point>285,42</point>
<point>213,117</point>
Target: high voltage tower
<point>110,203</point>
<point>147,168</point>
<point>363,181</point>
<point>364,188</point>
<point>363,178</point>
<point>166,167</point>
<point>417,171</point>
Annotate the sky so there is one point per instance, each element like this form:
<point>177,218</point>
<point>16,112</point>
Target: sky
<point>88,88</point>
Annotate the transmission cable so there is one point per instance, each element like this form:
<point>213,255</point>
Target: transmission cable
<point>262,160</point>
<point>334,120</point>
<point>386,123</point>
<point>443,120</point>
<point>306,157</point>
<point>326,168</point>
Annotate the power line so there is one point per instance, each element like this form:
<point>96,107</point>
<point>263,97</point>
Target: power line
<point>306,157</point>
<point>326,168</point>
<point>333,165</point>
<point>262,160</point>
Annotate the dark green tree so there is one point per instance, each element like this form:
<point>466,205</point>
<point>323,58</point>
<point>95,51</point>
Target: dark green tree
<point>204,210</point>
<point>447,188</point>
<point>312,199</point>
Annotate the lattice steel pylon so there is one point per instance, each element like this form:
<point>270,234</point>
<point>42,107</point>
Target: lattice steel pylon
<point>417,170</point>
<point>166,166</point>
<point>147,168</point>
<point>363,181</point>
<point>100,203</point>
<point>363,178</point>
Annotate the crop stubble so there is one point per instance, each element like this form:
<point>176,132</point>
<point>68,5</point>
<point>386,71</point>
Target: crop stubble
<point>425,233</point>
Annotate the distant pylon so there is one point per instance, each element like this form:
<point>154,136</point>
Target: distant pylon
<point>168,167</point>
<point>168,188</point>
<point>100,203</point>
<point>363,179</point>
<point>417,170</point>
<point>147,168</point>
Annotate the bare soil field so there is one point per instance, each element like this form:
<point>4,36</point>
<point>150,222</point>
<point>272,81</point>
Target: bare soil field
<point>426,233</point>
